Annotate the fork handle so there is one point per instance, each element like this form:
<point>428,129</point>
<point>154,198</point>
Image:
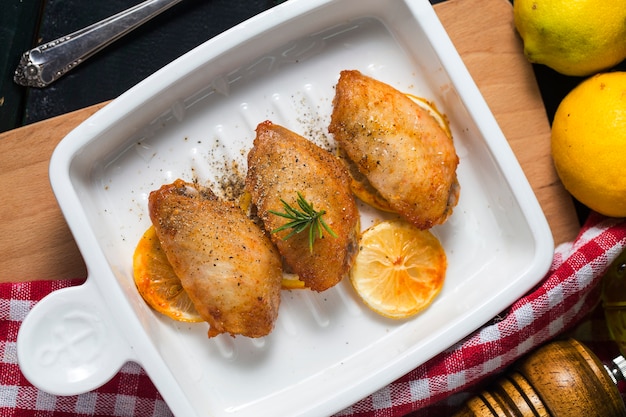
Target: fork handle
<point>45,63</point>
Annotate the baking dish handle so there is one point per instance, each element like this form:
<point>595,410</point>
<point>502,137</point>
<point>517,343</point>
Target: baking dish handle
<point>68,343</point>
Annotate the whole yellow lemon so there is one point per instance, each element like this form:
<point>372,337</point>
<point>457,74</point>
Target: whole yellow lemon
<point>573,37</point>
<point>589,143</point>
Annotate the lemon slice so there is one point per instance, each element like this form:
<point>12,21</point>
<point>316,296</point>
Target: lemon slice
<point>157,283</point>
<point>360,185</point>
<point>291,282</point>
<point>399,269</point>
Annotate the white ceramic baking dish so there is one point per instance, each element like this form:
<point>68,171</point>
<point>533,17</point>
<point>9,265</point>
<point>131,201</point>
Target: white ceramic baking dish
<point>194,119</point>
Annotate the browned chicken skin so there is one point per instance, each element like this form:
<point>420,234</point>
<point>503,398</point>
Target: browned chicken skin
<point>283,163</point>
<point>227,265</point>
<point>398,146</point>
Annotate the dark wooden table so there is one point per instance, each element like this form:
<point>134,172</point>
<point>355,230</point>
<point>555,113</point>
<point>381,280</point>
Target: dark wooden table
<point>28,23</point>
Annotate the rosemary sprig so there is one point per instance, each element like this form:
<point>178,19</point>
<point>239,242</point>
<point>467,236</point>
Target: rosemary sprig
<point>304,218</point>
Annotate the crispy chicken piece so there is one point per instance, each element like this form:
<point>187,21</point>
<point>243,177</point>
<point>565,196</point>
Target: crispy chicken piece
<point>401,149</point>
<point>283,163</point>
<point>225,262</point>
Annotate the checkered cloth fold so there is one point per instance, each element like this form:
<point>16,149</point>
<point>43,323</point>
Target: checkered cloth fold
<point>568,293</point>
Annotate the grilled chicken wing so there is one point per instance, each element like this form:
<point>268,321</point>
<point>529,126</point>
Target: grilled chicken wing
<point>227,265</point>
<point>283,163</point>
<point>398,146</point>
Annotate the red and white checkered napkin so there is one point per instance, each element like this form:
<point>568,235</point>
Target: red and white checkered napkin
<point>563,298</point>
<point>129,393</point>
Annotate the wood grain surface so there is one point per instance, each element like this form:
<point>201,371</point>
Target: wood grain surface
<point>36,243</point>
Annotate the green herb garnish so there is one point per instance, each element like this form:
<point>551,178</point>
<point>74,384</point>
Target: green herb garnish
<point>305,218</point>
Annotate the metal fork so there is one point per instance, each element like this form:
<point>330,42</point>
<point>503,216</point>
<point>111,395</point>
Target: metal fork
<point>46,63</point>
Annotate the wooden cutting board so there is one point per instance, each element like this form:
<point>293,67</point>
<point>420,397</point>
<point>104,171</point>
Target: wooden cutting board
<point>35,242</point>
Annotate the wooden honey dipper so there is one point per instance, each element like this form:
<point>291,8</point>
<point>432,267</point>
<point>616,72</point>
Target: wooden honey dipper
<point>561,379</point>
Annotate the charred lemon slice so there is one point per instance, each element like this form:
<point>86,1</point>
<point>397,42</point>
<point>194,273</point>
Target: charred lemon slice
<point>157,283</point>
